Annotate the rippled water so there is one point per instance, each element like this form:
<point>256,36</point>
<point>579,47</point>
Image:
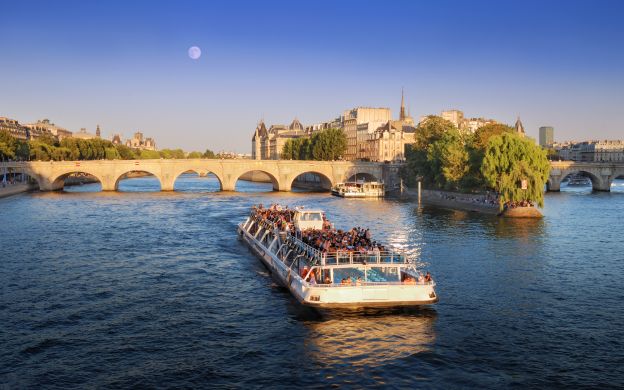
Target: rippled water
<point>150,289</point>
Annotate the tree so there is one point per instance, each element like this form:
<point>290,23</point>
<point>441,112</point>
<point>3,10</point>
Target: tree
<point>428,132</point>
<point>149,154</point>
<point>125,153</point>
<point>476,146</point>
<point>448,160</point>
<point>208,154</point>
<point>328,145</point>
<point>509,160</point>
<point>194,155</point>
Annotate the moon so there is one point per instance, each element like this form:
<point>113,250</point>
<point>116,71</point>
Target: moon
<point>194,52</point>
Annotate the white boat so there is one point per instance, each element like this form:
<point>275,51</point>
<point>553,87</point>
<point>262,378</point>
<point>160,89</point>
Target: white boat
<point>359,189</point>
<point>332,279</point>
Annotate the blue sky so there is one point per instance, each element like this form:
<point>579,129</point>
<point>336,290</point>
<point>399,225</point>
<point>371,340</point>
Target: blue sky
<point>124,65</point>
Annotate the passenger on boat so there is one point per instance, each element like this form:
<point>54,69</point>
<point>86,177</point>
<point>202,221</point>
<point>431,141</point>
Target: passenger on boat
<point>421,278</point>
<point>328,280</point>
<point>428,277</point>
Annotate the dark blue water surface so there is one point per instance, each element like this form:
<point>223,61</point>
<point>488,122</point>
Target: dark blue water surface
<point>150,289</point>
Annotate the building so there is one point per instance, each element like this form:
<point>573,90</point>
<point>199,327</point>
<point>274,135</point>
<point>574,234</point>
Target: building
<point>387,143</point>
<point>43,126</point>
<point>83,134</point>
<point>456,117</point>
<point>462,123</point>
<point>139,142</point>
<point>268,144</point>
<point>13,127</point>
<point>361,125</point>
<point>591,151</point>
<point>546,136</point>
<point>116,140</point>
<point>359,116</point>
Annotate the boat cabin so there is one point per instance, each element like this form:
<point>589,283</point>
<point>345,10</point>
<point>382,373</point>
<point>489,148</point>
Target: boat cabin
<point>308,219</point>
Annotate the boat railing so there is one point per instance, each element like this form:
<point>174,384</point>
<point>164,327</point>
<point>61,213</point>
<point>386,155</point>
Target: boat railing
<point>319,257</point>
<point>371,284</point>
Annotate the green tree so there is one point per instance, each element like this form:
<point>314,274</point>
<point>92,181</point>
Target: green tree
<point>328,145</point>
<point>6,151</point>
<point>194,155</point>
<point>448,160</point>
<point>476,146</point>
<point>418,163</point>
<point>149,154</point>
<point>126,153</point>
<point>509,160</point>
<point>208,154</point>
<point>48,139</point>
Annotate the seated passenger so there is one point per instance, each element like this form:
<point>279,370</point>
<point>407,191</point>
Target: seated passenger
<point>428,277</point>
<point>328,280</point>
<point>421,278</point>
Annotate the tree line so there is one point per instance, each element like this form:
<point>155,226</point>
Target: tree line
<point>326,145</point>
<point>493,158</point>
<point>48,148</point>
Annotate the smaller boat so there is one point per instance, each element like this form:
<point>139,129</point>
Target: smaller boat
<point>579,181</point>
<point>359,189</point>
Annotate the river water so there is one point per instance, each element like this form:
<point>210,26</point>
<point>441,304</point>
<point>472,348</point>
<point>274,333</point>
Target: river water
<point>150,289</point>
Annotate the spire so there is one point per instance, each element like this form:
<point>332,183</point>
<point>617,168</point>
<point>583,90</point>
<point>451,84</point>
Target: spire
<point>519,127</point>
<point>97,131</point>
<point>402,112</point>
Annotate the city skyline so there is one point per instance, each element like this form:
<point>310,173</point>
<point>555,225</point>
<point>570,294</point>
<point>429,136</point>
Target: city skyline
<point>127,68</point>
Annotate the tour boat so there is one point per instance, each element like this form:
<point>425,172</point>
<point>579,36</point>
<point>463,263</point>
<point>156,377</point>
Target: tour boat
<point>332,279</point>
<point>359,189</point>
<point>579,181</point>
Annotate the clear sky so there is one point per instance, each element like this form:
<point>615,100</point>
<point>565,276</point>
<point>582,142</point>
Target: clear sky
<point>124,64</point>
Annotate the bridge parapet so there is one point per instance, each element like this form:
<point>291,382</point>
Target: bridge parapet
<point>51,174</point>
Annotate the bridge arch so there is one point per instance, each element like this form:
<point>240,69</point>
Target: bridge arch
<point>595,180</point>
<point>201,172</point>
<point>140,170</point>
<point>249,175</point>
<point>59,182</point>
<point>312,180</point>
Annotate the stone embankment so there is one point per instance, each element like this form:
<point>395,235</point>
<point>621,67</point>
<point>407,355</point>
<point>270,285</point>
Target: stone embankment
<point>482,203</point>
<point>13,189</point>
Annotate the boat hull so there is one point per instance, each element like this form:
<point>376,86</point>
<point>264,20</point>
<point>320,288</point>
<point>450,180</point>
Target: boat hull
<point>328,297</point>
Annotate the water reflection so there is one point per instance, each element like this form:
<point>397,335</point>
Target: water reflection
<point>371,338</point>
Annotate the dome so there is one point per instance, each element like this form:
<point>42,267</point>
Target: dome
<point>295,125</point>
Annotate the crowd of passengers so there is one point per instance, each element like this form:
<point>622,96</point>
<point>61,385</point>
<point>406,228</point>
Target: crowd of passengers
<point>328,240</point>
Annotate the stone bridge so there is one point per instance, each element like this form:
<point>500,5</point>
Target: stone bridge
<point>51,175</point>
<point>600,174</point>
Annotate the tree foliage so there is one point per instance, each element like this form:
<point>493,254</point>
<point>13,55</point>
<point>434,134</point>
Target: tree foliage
<point>326,145</point>
<point>510,159</point>
<point>47,148</point>
<point>448,160</point>
<point>419,162</point>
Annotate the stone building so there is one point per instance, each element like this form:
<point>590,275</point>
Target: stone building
<point>592,151</point>
<point>462,123</point>
<point>268,144</point>
<point>359,116</point>
<point>360,125</point>
<point>13,127</point>
<point>45,126</point>
<point>387,143</point>
<point>138,141</point>
<point>84,134</point>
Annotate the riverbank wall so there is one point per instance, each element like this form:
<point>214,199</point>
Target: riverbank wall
<point>455,200</point>
<point>14,189</point>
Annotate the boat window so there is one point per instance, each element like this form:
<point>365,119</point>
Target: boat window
<point>311,217</point>
<point>383,274</point>
<point>350,274</point>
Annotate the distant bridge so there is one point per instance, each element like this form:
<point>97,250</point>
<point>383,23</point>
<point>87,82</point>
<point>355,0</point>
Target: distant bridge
<point>51,175</point>
<point>601,174</point>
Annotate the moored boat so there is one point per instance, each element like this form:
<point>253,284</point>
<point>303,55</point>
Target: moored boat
<point>359,189</point>
<point>332,269</point>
